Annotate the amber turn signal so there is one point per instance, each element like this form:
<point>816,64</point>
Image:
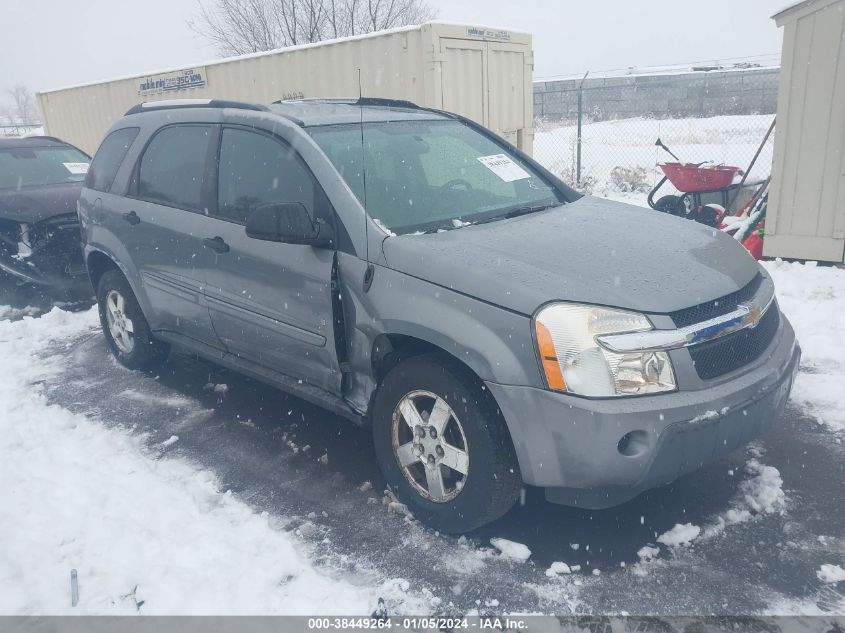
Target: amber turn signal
<point>548,356</point>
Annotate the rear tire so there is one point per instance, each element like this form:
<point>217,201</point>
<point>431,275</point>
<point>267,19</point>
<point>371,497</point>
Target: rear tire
<point>124,325</point>
<point>472,437</point>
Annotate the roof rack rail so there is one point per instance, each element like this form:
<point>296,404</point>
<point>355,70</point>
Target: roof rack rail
<point>170,104</point>
<point>316,100</point>
<point>361,101</point>
<point>391,103</point>
<point>45,137</point>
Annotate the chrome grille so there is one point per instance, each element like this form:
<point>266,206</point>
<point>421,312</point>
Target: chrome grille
<point>717,307</point>
<point>736,350</point>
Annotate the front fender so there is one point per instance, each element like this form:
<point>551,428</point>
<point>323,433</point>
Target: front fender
<point>494,343</point>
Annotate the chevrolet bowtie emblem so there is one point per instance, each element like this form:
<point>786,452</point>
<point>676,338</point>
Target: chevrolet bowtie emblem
<point>755,313</point>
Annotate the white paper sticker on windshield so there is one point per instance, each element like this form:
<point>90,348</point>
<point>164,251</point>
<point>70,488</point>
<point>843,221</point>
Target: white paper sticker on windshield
<point>76,168</point>
<point>504,167</point>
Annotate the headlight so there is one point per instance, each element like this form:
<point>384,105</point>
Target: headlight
<point>573,361</point>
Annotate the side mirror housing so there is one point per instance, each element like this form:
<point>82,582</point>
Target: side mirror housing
<point>287,222</point>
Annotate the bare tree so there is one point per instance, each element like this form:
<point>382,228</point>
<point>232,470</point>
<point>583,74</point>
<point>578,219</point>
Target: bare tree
<point>236,27</point>
<point>23,110</point>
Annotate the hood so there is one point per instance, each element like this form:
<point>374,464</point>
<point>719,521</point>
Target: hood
<point>31,205</point>
<point>590,251</point>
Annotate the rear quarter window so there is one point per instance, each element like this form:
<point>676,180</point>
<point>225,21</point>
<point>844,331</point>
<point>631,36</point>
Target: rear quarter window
<point>108,158</point>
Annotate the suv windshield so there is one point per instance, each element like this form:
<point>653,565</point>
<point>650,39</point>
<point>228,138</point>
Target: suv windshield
<point>430,175</point>
<point>30,166</point>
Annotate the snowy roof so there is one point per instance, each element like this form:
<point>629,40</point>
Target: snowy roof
<point>275,51</point>
<point>794,6</point>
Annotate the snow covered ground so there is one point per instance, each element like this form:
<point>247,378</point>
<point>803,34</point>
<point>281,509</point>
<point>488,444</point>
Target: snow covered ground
<point>813,297</point>
<point>150,530</point>
<point>629,144</point>
<point>145,532</point>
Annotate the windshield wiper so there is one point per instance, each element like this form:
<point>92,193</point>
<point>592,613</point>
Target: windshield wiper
<point>513,213</point>
<point>517,211</point>
<point>438,228</point>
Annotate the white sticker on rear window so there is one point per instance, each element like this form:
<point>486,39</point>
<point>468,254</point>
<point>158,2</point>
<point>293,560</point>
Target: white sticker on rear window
<point>76,168</point>
<point>504,167</point>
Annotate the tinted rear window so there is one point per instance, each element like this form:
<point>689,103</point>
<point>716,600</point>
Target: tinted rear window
<point>109,157</point>
<point>34,166</point>
<point>173,166</point>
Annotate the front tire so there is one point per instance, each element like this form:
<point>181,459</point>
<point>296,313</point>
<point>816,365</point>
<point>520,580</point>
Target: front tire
<point>443,446</point>
<point>124,325</point>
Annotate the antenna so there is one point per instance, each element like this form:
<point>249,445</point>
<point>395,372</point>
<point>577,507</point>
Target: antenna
<point>363,170</point>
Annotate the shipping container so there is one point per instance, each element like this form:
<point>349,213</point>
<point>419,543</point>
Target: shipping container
<point>482,73</point>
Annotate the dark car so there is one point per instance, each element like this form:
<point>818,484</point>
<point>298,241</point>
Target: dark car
<point>40,242</point>
<point>410,270</point>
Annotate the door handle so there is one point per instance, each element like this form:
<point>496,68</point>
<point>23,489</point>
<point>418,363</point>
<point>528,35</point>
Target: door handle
<point>216,244</point>
<point>132,218</point>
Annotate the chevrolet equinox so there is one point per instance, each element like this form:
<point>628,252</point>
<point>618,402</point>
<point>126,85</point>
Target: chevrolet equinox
<point>410,270</point>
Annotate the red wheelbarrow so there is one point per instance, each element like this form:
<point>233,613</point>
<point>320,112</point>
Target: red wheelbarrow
<point>706,191</point>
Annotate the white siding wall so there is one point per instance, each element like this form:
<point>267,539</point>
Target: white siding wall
<point>806,215</point>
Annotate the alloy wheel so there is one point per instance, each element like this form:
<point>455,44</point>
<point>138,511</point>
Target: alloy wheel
<point>120,326</point>
<point>430,446</point>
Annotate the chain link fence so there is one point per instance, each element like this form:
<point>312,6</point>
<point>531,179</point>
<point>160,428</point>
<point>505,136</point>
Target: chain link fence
<point>620,119</point>
<point>19,130</point>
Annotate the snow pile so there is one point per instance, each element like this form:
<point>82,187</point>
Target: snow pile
<point>8,312</point>
<point>558,568</point>
<point>511,549</point>
<point>763,492</point>
<point>831,573</point>
<point>813,298</point>
<point>170,441</point>
<point>145,535</point>
<point>679,535</point>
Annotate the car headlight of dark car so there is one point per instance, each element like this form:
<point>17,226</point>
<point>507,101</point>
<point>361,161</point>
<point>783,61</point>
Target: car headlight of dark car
<point>10,237</point>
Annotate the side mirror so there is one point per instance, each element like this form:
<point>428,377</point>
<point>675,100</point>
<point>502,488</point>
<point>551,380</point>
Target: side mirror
<point>287,222</point>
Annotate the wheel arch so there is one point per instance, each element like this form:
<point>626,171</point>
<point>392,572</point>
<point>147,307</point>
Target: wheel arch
<point>389,349</point>
<point>98,264</point>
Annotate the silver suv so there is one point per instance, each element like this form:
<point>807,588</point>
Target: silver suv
<point>408,269</point>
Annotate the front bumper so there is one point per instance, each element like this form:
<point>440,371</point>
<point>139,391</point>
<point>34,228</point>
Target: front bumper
<point>571,445</point>
<point>69,276</point>
<point>53,257</point>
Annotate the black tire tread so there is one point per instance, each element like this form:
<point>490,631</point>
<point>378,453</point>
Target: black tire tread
<point>507,481</point>
<point>148,351</point>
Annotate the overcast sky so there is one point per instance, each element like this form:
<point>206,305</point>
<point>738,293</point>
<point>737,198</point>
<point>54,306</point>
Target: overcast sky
<point>53,43</point>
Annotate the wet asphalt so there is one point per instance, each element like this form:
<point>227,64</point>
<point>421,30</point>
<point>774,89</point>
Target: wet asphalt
<point>318,474</point>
